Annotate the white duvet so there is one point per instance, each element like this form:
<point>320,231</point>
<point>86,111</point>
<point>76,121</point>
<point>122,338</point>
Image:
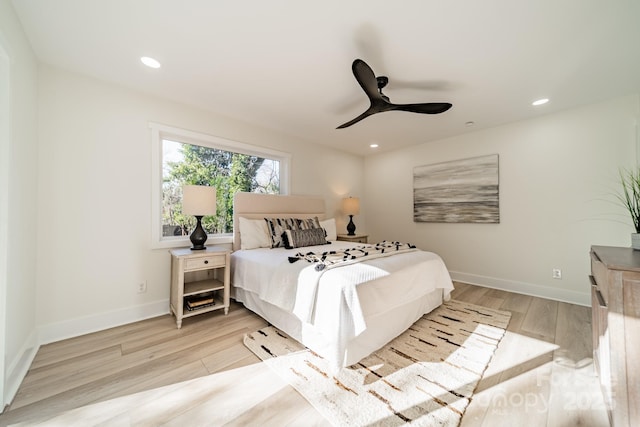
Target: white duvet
<point>344,295</point>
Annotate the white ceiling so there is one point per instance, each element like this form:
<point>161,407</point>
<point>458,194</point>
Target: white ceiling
<point>286,64</point>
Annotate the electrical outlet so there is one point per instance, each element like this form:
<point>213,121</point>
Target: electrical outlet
<point>556,273</point>
<point>142,287</point>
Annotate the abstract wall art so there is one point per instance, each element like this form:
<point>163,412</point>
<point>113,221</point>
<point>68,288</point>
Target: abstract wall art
<point>457,191</point>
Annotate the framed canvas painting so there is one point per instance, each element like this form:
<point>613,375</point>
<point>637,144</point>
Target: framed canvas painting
<point>457,191</point>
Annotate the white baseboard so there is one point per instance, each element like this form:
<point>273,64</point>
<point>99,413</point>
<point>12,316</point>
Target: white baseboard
<point>87,324</point>
<point>19,367</point>
<point>556,294</point>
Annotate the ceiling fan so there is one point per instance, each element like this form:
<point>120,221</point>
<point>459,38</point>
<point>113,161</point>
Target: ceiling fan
<point>380,103</point>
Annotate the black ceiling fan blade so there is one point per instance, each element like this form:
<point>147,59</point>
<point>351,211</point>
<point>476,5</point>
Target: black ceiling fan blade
<point>369,83</point>
<point>364,115</point>
<point>425,108</point>
<point>367,79</point>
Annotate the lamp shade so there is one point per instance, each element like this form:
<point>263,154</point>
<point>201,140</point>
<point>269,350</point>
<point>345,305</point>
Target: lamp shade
<point>198,200</point>
<point>351,206</point>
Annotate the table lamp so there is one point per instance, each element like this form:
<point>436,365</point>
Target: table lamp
<point>351,206</point>
<point>199,201</point>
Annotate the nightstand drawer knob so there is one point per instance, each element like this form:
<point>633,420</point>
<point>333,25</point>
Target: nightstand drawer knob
<point>206,261</point>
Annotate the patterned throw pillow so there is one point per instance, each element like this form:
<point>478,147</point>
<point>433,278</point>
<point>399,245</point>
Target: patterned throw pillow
<point>277,226</point>
<point>299,238</point>
<point>308,223</point>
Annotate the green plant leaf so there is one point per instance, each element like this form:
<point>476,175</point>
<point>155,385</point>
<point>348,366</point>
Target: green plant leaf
<point>630,197</point>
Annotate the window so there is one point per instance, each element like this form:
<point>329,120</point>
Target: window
<point>182,157</point>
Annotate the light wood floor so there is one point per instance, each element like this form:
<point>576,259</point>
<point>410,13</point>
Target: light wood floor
<point>149,374</point>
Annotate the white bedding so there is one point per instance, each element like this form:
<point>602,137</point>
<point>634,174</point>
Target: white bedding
<point>347,295</point>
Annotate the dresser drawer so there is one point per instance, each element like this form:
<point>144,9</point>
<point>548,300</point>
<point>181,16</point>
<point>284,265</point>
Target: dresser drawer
<point>208,261</point>
<point>599,272</point>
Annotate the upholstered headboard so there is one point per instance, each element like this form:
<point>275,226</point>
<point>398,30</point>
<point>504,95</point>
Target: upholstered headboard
<point>255,206</point>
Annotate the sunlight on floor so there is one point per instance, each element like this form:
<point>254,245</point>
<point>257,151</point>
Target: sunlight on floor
<point>211,400</point>
<point>524,377</point>
<point>517,351</point>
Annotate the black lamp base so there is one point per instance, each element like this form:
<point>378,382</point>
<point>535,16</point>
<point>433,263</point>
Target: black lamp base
<point>199,236</point>
<point>351,227</point>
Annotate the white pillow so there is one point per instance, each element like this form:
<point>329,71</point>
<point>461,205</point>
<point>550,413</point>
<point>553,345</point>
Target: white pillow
<point>329,226</point>
<point>254,234</point>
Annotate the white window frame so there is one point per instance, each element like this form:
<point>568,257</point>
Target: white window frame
<point>160,132</point>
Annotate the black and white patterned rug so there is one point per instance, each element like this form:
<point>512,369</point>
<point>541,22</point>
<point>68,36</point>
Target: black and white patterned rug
<point>424,377</point>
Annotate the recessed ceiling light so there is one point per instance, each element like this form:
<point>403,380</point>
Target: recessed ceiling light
<point>373,145</point>
<point>540,101</point>
<point>150,62</point>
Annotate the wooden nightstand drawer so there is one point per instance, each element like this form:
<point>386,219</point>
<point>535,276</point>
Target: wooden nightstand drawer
<point>204,262</point>
<point>358,238</point>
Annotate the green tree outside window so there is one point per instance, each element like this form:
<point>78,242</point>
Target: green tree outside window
<point>227,171</point>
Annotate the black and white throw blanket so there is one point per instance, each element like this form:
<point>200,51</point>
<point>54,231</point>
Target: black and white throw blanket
<point>336,258</point>
<point>309,277</point>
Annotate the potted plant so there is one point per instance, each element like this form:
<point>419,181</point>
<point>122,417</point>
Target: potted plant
<point>630,199</point>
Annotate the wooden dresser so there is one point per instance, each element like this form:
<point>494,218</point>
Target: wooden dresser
<point>615,302</point>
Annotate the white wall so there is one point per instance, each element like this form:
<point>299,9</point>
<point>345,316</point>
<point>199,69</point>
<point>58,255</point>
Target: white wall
<point>94,220</point>
<point>558,176</point>
<point>18,185</point>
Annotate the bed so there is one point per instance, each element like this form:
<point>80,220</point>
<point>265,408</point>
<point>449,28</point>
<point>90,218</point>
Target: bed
<point>342,313</point>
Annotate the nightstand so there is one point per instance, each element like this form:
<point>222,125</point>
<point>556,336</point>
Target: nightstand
<point>199,281</point>
<point>358,238</point>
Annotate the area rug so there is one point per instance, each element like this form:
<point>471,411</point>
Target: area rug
<point>424,377</point>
